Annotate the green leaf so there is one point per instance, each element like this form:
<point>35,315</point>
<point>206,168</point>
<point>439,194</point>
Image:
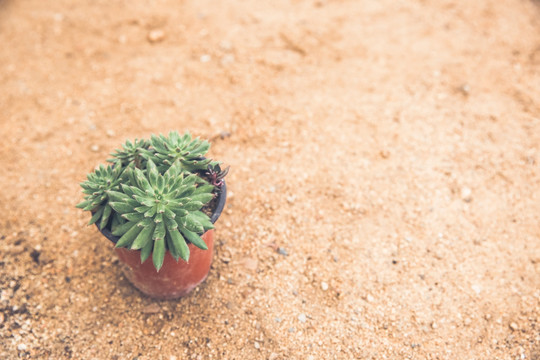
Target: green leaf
<point>179,212</point>
<point>203,219</point>
<point>191,224</point>
<point>146,251</point>
<point>96,216</point>
<point>83,204</point>
<point>159,232</point>
<point>170,224</point>
<point>122,229</point>
<point>115,222</point>
<point>145,200</point>
<point>115,196</point>
<point>170,246</point>
<point>142,181</point>
<point>143,238</point>
<point>121,207</point>
<point>169,213</point>
<point>160,184</point>
<point>128,237</point>
<point>151,212</point>
<point>204,198</point>
<point>127,190</point>
<point>153,174</point>
<point>133,217</point>
<point>142,209</point>
<point>204,189</point>
<point>159,253</point>
<point>193,205</point>
<point>179,244</point>
<point>194,239</point>
<point>105,217</point>
<point>157,143</point>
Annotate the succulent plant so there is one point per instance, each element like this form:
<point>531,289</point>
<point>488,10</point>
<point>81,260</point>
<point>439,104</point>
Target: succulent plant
<point>152,195</point>
<point>132,152</point>
<point>188,151</point>
<point>96,187</point>
<point>161,212</point>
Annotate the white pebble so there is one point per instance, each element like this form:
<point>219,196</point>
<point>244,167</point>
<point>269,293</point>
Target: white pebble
<point>324,286</point>
<point>302,318</point>
<point>21,347</point>
<point>205,58</point>
<point>155,36</point>
<point>466,194</point>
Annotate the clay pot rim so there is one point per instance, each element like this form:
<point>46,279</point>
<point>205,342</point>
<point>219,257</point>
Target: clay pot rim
<point>222,197</point>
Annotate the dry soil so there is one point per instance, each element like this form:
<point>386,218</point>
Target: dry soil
<point>384,186</point>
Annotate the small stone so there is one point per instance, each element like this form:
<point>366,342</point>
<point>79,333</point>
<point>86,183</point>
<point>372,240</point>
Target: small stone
<point>257,345</point>
<point>151,309</point>
<point>94,148</point>
<point>467,321</point>
<point>110,133</point>
<point>282,251</point>
<point>302,318</point>
<point>172,357</point>
<point>369,298</point>
<point>156,35</point>
<point>434,325</point>
<point>514,326</point>
<point>250,263</point>
<point>291,199</point>
<point>384,153</point>
<point>324,286</point>
<point>205,58</point>
<point>2,318</point>
<point>466,194</point>
<point>21,347</point>
<point>465,89</point>
<point>273,356</point>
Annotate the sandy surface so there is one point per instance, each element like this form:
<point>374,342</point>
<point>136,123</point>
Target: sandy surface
<point>384,186</point>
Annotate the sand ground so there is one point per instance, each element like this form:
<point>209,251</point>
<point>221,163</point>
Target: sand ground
<point>384,186</point>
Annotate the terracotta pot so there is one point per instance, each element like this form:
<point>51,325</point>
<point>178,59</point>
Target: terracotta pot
<point>174,279</point>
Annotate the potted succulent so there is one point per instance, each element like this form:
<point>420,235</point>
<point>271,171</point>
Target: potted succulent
<point>157,201</point>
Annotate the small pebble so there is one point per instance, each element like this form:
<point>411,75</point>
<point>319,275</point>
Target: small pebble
<point>324,286</point>
<point>466,194</point>
<point>514,326</point>
<point>94,148</point>
<point>302,318</point>
<point>110,133</point>
<point>21,347</point>
<point>151,309</point>
<point>282,251</point>
<point>257,345</point>
<point>156,36</point>
<point>205,58</point>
